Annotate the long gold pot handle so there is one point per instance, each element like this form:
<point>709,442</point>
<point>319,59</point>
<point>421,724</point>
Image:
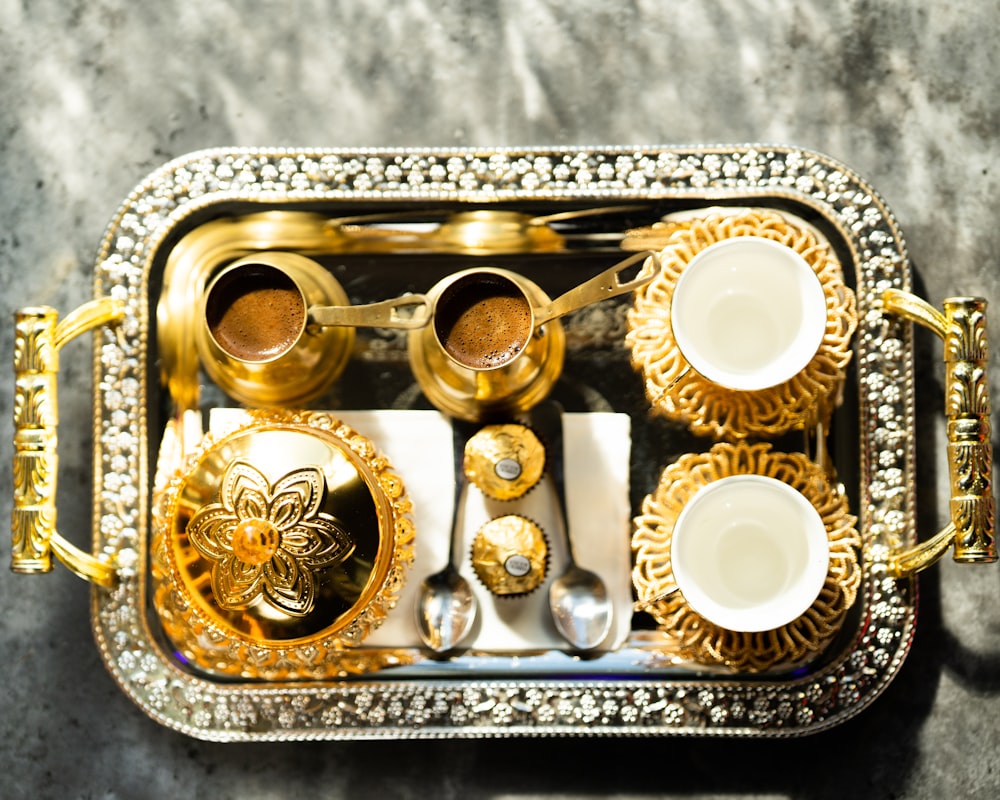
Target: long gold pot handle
<point>962,328</point>
<point>38,337</point>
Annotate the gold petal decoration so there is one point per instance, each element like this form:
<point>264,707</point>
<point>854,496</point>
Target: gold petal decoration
<point>266,541</point>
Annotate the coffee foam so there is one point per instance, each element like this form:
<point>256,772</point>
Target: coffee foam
<point>255,314</point>
<point>483,323</point>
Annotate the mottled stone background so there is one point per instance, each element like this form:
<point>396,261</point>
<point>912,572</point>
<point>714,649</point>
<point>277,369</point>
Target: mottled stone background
<point>94,95</point>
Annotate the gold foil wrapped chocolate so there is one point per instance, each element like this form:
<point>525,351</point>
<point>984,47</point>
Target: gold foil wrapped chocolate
<point>504,461</point>
<point>510,555</point>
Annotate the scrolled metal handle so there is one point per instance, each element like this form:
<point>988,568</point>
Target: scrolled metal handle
<point>38,337</point>
<point>962,328</point>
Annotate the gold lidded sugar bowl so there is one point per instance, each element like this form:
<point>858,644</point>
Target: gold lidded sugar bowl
<point>278,547</point>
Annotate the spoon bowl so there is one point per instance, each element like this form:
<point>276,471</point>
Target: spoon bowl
<point>581,608</point>
<point>445,610</point>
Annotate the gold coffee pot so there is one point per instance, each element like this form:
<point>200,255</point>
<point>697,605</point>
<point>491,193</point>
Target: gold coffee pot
<point>276,329</point>
<point>495,343</point>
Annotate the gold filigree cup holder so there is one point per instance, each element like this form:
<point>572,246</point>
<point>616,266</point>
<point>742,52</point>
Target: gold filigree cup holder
<point>248,639</point>
<point>693,638</point>
<point>676,390</point>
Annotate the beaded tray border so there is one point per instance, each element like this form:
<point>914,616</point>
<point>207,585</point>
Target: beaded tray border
<point>652,704</point>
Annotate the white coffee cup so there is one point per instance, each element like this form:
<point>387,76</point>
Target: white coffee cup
<point>749,553</point>
<point>748,313</point>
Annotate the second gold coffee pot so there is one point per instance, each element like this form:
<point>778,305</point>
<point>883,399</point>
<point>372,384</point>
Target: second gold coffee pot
<point>495,344</point>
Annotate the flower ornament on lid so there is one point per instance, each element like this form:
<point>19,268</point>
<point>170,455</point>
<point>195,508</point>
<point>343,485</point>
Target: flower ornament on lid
<point>266,542</point>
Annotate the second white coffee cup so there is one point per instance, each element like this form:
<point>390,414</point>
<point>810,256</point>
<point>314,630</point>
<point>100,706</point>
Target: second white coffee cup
<point>749,553</point>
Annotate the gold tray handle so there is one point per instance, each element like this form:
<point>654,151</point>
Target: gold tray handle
<point>962,327</point>
<point>37,341</point>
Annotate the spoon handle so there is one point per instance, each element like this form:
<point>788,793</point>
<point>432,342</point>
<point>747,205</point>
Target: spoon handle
<point>460,433</point>
<point>547,419</point>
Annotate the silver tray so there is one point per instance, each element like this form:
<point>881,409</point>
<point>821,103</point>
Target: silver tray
<point>632,691</point>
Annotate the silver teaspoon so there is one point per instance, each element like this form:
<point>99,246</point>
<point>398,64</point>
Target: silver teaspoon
<point>446,606</point>
<point>578,598</point>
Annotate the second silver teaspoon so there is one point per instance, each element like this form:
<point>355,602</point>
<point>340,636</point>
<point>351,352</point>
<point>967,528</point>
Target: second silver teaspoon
<point>578,598</point>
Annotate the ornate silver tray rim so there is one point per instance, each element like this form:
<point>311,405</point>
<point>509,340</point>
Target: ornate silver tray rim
<point>433,708</point>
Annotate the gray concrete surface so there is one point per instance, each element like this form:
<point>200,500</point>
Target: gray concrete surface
<point>94,95</point>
